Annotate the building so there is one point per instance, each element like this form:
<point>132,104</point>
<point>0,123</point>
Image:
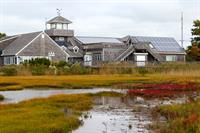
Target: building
<point>58,42</point>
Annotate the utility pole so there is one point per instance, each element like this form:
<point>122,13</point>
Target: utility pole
<point>182,29</point>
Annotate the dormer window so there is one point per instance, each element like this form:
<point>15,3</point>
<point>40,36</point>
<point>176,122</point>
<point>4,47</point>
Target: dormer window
<point>76,49</point>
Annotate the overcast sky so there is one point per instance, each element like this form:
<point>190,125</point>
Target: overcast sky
<point>112,18</point>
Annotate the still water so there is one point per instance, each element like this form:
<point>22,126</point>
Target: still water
<point>17,96</point>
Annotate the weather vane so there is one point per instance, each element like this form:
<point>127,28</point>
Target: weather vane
<point>59,11</point>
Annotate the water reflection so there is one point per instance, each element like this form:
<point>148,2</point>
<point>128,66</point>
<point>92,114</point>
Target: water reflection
<point>17,96</point>
<point>115,115</point>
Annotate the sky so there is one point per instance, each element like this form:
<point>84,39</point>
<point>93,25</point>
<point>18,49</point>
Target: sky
<point>108,18</point>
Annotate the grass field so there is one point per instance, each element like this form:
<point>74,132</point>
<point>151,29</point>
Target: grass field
<point>89,81</point>
<point>56,114</point>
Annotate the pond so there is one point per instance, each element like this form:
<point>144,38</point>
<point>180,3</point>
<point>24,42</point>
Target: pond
<point>20,95</point>
<point>114,115</point>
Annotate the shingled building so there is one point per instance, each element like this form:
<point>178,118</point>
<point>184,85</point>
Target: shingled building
<point>57,43</point>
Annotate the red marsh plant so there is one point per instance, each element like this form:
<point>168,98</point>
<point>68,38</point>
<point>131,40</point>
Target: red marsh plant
<point>162,90</point>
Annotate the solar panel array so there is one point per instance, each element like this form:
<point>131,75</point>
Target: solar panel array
<point>91,40</point>
<point>161,43</point>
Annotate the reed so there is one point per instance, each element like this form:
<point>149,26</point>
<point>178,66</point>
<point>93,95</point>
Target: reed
<point>182,118</point>
<point>55,114</point>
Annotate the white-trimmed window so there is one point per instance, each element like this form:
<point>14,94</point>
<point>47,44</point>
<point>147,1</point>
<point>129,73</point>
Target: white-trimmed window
<point>171,58</point>
<point>53,26</point>
<point>97,56</point>
<point>9,60</point>
<point>65,26</point>
<point>76,49</point>
<point>59,26</point>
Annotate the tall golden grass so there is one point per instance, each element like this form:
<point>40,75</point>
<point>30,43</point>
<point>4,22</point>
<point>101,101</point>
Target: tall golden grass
<point>56,114</point>
<point>107,75</point>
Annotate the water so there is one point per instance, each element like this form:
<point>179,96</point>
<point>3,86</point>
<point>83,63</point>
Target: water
<point>17,96</point>
<point>115,115</point>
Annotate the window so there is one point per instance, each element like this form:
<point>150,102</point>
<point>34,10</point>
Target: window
<point>141,58</point>
<point>9,60</point>
<point>59,39</point>
<point>171,57</point>
<point>75,49</point>
<point>59,26</point>
<point>65,26</point>
<point>53,26</point>
<point>97,56</point>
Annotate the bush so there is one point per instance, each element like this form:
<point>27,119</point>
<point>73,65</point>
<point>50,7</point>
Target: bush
<point>1,97</point>
<point>38,62</point>
<point>78,69</point>
<point>8,71</point>
<point>142,70</point>
<point>62,64</point>
<point>38,70</point>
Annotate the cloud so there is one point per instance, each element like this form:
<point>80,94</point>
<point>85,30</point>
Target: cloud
<point>102,17</point>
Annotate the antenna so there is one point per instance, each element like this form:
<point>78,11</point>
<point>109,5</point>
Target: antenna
<point>45,23</point>
<point>59,11</point>
<point>182,29</point>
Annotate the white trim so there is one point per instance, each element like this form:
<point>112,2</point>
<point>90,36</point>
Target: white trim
<point>8,38</point>
<point>28,44</point>
<point>141,53</point>
<point>172,53</point>
<point>75,47</point>
<point>57,44</point>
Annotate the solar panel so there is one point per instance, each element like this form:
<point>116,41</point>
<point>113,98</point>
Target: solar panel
<point>90,40</point>
<point>161,43</point>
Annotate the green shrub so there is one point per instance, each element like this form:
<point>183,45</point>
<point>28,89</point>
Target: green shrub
<point>62,64</point>
<point>38,70</point>
<point>1,97</point>
<point>142,70</point>
<point>38,62</point>
<point>77,68</point>
<point>8,71</point>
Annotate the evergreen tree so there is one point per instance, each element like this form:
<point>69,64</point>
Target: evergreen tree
<point>193,51</point>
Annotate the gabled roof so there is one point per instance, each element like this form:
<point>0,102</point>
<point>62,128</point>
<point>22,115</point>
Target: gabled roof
<point>4,42</point>
<point>161,44</point>
<point>59,19</point>
<point>21,41</point>
<point>92,40</point>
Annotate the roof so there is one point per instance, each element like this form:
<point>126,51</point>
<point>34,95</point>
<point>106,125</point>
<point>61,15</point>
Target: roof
<point>6,41</point>
<point>92,40</point>
<point>20,42</point>
<point>59,19</point>
<point>161,44</point>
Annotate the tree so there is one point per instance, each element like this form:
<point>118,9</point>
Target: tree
<point>193,51</point>
<point>196,32</point>
<point>2,35</point>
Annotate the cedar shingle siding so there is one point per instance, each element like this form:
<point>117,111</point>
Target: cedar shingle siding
<point>41,47</point>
